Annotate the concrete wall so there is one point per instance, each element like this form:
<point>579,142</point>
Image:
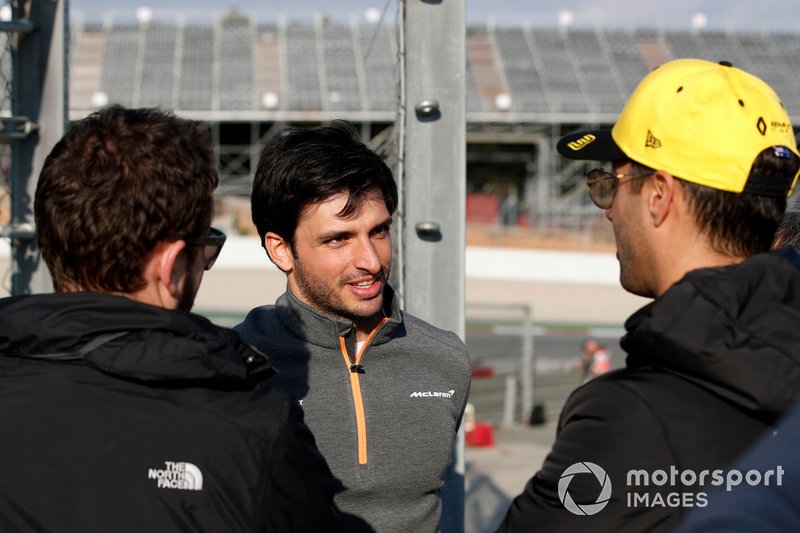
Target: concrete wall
<point>562,287</point>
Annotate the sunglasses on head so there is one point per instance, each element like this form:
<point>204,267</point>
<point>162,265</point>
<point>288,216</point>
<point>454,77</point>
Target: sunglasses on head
<point>603,185</point>
<point>212,245</point>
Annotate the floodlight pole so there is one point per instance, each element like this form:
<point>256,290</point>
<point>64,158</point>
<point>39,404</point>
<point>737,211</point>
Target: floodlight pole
<point>39,119</point>
<point>433,185</point>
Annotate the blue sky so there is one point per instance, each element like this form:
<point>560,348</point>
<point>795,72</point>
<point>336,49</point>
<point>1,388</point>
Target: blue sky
<point>741,15</point>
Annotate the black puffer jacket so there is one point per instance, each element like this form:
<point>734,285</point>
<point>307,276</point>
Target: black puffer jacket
<point>120,416</point>
<point>711,365</point>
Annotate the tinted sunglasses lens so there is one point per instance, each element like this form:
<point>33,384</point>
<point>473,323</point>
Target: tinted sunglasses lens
<point>213,249</point>
<point>602,186</point>
<point>212,245</point>
<point>211,252</point>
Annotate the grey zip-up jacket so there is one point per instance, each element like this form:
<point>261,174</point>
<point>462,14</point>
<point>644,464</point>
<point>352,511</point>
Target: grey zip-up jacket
<point>385,419</point>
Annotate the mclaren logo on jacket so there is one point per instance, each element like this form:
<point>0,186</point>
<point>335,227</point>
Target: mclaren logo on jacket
<point>177,475</point>
<point>429,394</point>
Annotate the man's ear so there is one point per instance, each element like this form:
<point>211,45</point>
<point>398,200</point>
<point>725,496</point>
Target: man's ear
<point>660,200</point>
<point>280,251</point>
<point>169,266</point>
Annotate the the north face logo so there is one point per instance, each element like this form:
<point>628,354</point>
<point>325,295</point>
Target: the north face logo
<point>175,475</point>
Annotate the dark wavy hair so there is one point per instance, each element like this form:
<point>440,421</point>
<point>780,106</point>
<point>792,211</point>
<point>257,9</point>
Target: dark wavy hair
<point>304,166</point>
<point>739,224</point>
<point>788,233</point>
<point>117,184</point>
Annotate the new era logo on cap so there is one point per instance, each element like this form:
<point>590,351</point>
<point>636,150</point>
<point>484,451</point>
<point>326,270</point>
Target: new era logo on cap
<point>652,141</point>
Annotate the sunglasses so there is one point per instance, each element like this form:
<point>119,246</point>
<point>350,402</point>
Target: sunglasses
<point>603,185</point>
<point>211,243</point>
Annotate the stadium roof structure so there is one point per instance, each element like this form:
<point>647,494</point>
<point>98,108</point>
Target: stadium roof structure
<point>236,70</point>
<point>525,86</point>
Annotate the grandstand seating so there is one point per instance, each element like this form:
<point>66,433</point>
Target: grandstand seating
<point>156,81</point>
<point>555,74</point>
<point>302,67</point>
<point>119,78</point>
<point>523,72</point>
<point>343,74</point>
<point>197,69</point>
<point>379,67</point>
<point>235,60</point>
<point>481,66</point>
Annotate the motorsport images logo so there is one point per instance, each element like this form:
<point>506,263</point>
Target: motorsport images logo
<point>590,508</point>
<point>665,488</point>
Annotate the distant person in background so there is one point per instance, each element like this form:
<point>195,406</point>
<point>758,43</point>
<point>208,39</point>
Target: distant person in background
<point>788,233</point>
<point>595,360</point>
<point>119,409</point>
<point>702,159</point>
<point>383,391</point>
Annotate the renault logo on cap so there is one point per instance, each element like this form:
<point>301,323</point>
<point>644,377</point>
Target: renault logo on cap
<point>582,142</point>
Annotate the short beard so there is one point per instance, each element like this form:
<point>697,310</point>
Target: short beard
<point>323,297</point>
<point>189,290</point>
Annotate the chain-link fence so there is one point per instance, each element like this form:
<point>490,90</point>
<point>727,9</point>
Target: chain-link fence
<point>8,42</point>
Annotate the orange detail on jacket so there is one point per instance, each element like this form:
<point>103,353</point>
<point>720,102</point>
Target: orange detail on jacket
<point>355,385</point>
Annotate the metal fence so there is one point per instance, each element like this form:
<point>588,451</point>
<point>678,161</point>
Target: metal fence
<point>33,117</point>
<point>7,45</point>
<point>520,365</point>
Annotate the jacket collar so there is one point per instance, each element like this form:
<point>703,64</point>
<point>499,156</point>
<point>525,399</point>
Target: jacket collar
<point>732,330</point>
<point>324,330</point>
<point>138,341</point>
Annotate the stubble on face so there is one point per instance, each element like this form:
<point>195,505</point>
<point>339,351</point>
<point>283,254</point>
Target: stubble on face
<point>324,295</point>
<point>631,243</point>
<point>340,264</point>
<point>191,283</point>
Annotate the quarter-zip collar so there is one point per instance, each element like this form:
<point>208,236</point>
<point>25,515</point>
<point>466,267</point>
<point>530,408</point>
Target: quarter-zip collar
<point>325,330</point>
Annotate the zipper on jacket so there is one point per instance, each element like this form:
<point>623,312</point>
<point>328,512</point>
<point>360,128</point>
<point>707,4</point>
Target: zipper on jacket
<point>355,386</point>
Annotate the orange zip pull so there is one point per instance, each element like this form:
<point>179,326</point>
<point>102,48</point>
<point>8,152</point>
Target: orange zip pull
<point>355,385</point>
<point>358,404</point>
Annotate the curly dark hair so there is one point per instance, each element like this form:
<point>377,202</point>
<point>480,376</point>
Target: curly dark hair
<point>117,184</point>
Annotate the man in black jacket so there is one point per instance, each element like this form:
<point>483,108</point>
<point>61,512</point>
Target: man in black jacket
<point>119,409</point>
<point>702,159</point>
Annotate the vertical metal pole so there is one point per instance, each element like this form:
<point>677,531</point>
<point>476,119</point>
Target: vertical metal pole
<point>510,401</point>
<point>528,362</point>
<point>434,185</point>
<point>39,93</point>
<point>544,189</point>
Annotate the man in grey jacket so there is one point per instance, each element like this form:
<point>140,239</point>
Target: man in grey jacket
<point>383,391</point>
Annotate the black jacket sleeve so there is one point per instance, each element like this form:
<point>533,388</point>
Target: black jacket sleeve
<point>299,484</point>
<point>609,425</point>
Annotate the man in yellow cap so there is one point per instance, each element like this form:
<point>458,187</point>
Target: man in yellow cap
<point>700,163</point>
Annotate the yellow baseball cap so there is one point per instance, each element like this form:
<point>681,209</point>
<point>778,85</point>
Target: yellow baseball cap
<point>700,121</point>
